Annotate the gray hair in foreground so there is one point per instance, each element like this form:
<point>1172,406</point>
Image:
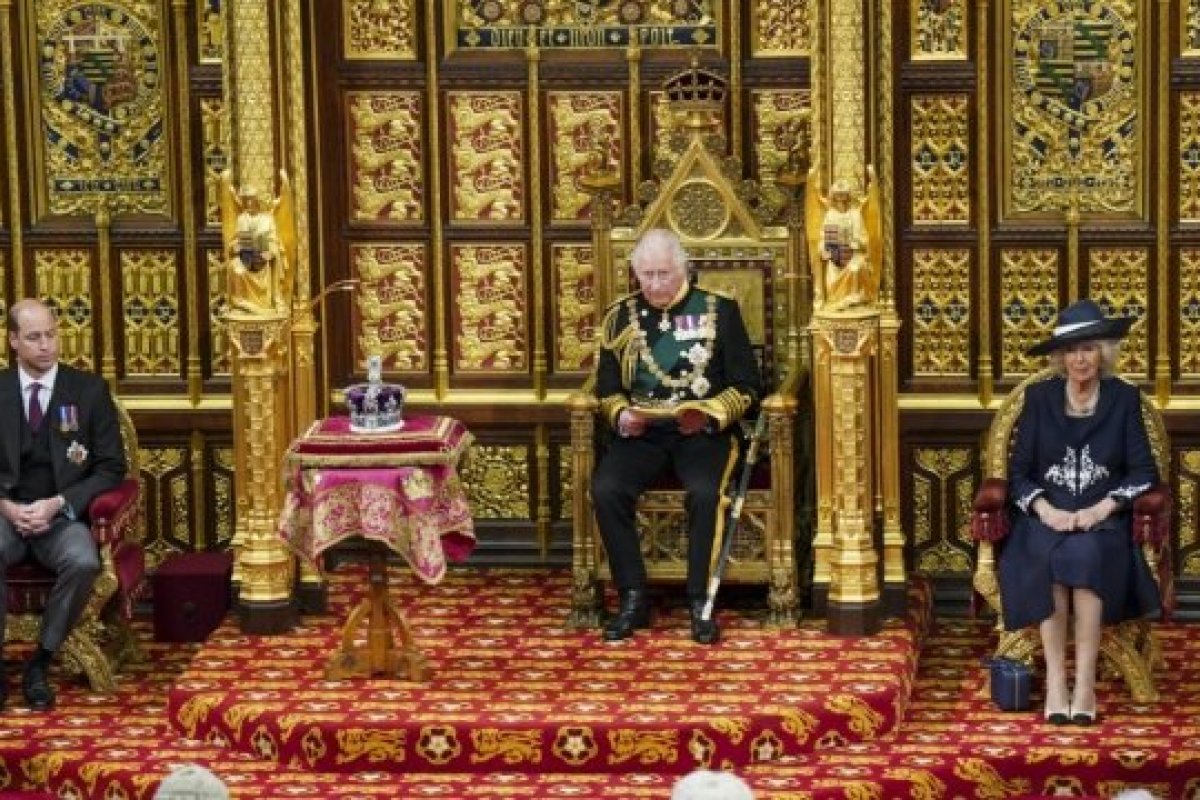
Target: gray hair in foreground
<point>1110,351</point>
<point>707,784</point>
<point>191,782</point>
<point>659,240</point>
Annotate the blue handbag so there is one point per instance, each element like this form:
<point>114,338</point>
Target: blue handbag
<point>1012,683</point>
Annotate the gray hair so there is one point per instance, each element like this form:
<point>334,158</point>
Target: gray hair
<point>707,784</point>
<point>1110,351</point>
<point>660,240</point>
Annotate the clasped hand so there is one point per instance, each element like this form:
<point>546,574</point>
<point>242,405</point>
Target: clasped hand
<point>1065,521</point>
<point>31,519</point>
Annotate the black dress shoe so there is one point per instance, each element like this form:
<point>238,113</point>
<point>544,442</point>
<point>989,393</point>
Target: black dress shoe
<point>38,693</point>
<point>1084,719</point>
<point>704,631</point>
<point>633,613</point>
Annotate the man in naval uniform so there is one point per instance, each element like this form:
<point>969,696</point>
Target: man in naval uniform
<point>60,446</point>
<point>675,373</point>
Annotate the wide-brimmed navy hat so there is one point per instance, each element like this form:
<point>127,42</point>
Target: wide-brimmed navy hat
<point>1082,321</point>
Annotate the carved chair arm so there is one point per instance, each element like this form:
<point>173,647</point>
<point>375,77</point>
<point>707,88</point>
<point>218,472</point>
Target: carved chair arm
<point>1152,517</point>
<point>113,513</point>
<point>989,517</point>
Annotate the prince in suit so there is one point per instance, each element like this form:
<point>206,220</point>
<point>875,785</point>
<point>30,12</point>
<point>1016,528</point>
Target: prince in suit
<point>60,446</point>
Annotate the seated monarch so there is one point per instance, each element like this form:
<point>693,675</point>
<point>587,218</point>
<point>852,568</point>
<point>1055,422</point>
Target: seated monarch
<point>1079,457</point>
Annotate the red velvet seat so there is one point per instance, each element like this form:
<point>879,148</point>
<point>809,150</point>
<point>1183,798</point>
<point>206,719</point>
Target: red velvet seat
<point>102,640</point>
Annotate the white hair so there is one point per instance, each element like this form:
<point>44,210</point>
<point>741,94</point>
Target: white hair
<point>191,782</point>
<point>1134,794</point>
<point>1110,353</point>
<point>660,240</point>
<point>707,784</point>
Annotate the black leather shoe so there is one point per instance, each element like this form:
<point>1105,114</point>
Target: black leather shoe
<point>38,693</point>
<point>633,613</point>
<point>704,631</point>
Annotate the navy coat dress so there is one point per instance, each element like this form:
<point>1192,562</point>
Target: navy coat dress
<point>1074,462</point>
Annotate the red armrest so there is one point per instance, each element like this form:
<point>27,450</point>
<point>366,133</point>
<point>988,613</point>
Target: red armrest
<point>989,520</point>
<point>1152,516</point>
<point>112,512</point>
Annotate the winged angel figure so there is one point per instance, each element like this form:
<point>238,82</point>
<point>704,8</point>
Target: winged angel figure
<point>845,243</point>
<point>260,245</point>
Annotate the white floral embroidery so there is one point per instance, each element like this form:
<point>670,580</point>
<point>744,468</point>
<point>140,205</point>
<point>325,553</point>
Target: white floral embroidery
<point>1077,473</point>
<point>1023,502</point>
<point>1129,492</point>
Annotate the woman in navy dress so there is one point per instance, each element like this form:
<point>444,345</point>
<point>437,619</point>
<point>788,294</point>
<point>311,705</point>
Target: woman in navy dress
<point>1079,458</point>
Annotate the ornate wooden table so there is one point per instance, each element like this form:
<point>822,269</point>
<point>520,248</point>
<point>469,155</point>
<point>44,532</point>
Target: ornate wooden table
<point>401,492</point>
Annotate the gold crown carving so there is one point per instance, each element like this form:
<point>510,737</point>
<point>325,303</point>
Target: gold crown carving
<point>695,89</point>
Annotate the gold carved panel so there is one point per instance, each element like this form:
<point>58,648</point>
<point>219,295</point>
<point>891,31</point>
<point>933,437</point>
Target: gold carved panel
<point>585,132</point>
<point>63,278</point>
<point>574,307</point>
<point>150,307</point>
<point>1119,281</point>
<point>392,304</point>
<point>214,128</point>
<point>1186,498</point>
<point>497,481</point>
<point>662,124</point>
<point>490,328</point>
<point>1028,306</point>
<point>484,132</point>
<point>1189,28</point>
<point>376,30</point>
<point>210,32</point>
<point>218,305</point>
<point>942,312</point>
<point>385,157</point>
<point>781,28</point>
<point>165,483</point>
<point>566,483</point>
<point>941,158</point>
<point>1189,312</point>
<point>778,114</point>
<point>223,496</point>
<point>1189,156</point>
<point>100,73</point>
<point>944,483</point>
<point>1074,107</point>
<point>939,30</point>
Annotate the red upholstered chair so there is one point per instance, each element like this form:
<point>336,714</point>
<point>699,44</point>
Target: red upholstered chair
<point>1128,649</point>
<point>103,639</point>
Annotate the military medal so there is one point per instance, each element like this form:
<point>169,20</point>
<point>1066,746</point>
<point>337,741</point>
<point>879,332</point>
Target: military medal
<point>77,453</point>
<point>68,419</point>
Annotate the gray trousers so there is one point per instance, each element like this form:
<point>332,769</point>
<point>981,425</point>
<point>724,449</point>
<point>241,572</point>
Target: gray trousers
<point>68,550</point>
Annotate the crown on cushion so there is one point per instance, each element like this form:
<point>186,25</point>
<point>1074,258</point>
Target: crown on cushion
<point>375,406</point>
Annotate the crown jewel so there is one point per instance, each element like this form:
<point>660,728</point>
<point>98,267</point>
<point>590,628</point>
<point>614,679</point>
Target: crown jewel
<point>696,90</point>
<point>375,406</point>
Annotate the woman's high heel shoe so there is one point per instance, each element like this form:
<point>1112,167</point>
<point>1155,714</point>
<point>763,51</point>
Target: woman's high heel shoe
<point>1057,717</point>
<point>1084,717</point>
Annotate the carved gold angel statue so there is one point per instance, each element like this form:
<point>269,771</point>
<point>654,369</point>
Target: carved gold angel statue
<point>260,245</point>
<point>845,244</point>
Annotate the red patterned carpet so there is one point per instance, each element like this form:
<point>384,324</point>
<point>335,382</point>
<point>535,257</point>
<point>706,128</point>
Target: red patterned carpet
<point>520,706</point>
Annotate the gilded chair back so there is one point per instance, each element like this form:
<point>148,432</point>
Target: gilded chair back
<point>1129,649</point>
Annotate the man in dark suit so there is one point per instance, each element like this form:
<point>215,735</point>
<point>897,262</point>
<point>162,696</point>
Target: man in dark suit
<point>675,373</point>
<point>60,446</point>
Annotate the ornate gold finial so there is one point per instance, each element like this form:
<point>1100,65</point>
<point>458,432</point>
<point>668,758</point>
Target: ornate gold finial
<point>698,93</point>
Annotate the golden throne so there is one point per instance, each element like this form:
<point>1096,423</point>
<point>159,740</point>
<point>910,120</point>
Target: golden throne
<point>102,640</point>
<point>1129,649</point>
<point>701,196</point>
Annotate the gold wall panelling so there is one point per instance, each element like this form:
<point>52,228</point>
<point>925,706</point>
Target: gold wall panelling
<point>375,30</point>
<point>218,306</point>
<point>490,315</point>
<point>210,31</point>
<point>1028,306</point>
<point>497,481</point>
<point>214,133</point>
<point>63,278</point>
<point>781,28</point>
<point>574,306</point>
<point>945,479</point>
<point>1189,313</point>
<point>941,159</point>
<point>1189,28</point>
<point>150,312</point>
<point>393,319</point>
<point>386,156</point>
<point>941,312</point>
<point>569,25</point>
<point>102,106</point>
<point>845,116</point>
<point>586,133</point>
<point>222,508</point>
<point>1074,108</point>
<point>938,30</point>
<point>566,482</point>
<point>781,118</point>
<point>1119,279</point>
<point>485,132</point>
<point>1187,495</point>
<point>166,488</point>
<point>1189,156</point>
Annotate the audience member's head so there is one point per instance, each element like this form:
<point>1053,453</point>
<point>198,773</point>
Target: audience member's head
<point>1134,794</point>
<point>707,784</point>
<point>191,782</point>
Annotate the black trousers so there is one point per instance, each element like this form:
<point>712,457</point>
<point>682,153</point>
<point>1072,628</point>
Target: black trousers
<point>703,463</point>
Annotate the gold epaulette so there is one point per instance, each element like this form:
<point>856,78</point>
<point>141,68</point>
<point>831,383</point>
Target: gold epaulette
<point>720,293</point>
<point>609,337</point>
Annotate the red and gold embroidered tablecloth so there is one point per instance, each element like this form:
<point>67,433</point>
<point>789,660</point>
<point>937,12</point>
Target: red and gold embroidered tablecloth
<point>400,488</point>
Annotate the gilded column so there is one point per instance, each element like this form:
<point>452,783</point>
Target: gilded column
<point>183,140</point>
<point>108,355</point>
<point>437,243</point>
<point>533,57</point>
<point>735,127</point>
<point>1163,214</point>
<point>634,57</point>
<point>983,218</point>
<point>845,95</point>
<point>16,223</point>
